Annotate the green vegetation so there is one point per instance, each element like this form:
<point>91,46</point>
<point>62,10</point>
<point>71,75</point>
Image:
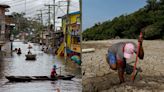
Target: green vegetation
<point>28,25</point>
<point>149,19</point>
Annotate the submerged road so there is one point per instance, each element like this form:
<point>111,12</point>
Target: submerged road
<point>18,66</point>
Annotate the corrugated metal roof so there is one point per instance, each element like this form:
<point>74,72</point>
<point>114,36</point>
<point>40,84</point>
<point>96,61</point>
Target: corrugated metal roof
<point>72,13</point>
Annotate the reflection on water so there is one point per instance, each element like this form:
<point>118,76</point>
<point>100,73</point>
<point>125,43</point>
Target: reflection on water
<point>17,65</point>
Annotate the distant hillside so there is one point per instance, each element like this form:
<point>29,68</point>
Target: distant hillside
<point>150,18</point>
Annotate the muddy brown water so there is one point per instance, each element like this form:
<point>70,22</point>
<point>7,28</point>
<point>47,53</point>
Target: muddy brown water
<point>18,66</point>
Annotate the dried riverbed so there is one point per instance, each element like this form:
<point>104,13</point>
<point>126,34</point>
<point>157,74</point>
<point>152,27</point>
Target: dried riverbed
<point>98,77</point>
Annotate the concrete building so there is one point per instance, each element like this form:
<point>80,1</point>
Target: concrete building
<point>5,44</point>
<point>3,37</point>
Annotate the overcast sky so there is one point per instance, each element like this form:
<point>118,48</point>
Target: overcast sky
<point>30,7</point>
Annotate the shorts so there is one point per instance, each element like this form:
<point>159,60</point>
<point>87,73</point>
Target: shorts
<point>111,58</point>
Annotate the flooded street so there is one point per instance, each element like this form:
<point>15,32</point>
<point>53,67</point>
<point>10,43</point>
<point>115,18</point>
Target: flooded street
<point>18,66</point>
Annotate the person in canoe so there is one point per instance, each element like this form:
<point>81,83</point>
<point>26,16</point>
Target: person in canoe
<point>53,72</point>
<point>19,51</point>
<point>29,46</point>
<point>29,52</point>
<point>43,49</point>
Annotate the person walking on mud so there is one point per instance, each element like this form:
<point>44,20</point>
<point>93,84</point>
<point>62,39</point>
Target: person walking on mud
<point>119,52</point>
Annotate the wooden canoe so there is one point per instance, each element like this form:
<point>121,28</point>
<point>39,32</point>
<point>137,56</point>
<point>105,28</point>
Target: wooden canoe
<point>35,78</point>
<point>30,57</point>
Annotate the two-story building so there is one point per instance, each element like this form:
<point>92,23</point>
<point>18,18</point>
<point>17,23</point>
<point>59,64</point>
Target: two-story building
<point>3,37</point>
<point>72,32</point>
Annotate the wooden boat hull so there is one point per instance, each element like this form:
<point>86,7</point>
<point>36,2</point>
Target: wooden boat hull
<point>29,47</point>
<point>37,78</point>
<point>31,57</point>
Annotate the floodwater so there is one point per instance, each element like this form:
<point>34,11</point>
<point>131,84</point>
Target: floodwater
<point>18,66</point>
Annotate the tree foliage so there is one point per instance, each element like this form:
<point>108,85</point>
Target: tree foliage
<point>150,18</point>
<point>24,24</point>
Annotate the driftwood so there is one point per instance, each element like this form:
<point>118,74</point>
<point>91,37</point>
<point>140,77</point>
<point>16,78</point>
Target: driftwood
<point>88,50</point>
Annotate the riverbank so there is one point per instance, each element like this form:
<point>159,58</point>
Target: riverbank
<point>98,77</point>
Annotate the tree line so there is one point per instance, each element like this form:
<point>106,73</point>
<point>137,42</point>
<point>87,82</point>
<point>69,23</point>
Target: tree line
<point>148,19</point>
<point>24,24</point>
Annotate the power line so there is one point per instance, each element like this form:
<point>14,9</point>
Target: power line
<point>10,2</point>
<point>21,3</point>
<point>54,16</point>
<point>14,2</point>
<point>35,8</point>
<point>49,17</point>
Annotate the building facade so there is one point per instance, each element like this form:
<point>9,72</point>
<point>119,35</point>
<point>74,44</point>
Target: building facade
<point>2,24</point>
<point>72,34</point>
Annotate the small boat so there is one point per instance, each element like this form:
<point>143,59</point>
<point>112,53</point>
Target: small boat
<point>30,57</point>
<point>25,42</point>
<point>35,78</point>
<point>29,46</point>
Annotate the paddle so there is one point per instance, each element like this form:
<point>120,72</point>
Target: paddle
<point>135,64</point>
<point>60,69</point>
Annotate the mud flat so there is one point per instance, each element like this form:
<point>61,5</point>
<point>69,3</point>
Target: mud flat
<point>98,77</point>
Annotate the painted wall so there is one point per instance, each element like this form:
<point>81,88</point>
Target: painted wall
<point>73,19</point>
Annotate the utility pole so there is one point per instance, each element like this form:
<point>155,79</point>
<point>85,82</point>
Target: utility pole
<point>41,16</point>
<point>67,29</point>
<point>80,5</point>
<point>25,6</point>
<point>53,36</point>
<point>49,24</point>
<point>49,19</point>
<point>54,21</point>
<point>41,20</point>
<point>54,15</point>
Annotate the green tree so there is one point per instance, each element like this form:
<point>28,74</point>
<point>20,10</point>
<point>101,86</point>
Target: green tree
<point>151,4</point>
<point>149,18</point>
